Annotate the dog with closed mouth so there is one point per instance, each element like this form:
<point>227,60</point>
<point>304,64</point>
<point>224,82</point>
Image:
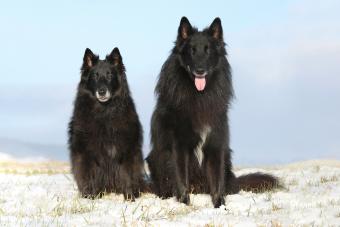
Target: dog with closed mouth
<point>105,134</point>
<point>189,126</point>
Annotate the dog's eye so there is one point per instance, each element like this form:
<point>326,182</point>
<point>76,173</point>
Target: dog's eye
<point>193,50</point>
<point>108,76</point>
<point>206,49</point>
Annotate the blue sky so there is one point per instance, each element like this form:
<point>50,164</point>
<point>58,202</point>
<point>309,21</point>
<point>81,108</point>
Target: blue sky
<point>285,57</point>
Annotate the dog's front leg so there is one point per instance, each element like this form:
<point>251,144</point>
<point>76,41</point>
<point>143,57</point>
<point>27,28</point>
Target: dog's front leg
<point>215,173</point>
<point>181,159</point>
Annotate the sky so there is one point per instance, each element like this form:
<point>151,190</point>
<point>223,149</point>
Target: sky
<point>284,55</point>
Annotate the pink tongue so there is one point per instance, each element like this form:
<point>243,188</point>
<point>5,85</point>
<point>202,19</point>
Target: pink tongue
<point>200,84</point>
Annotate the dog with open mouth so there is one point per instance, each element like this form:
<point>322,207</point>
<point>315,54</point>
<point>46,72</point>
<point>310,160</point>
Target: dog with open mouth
<point>189,127</point>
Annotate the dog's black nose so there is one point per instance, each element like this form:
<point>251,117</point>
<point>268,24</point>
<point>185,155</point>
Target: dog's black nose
<point>102,91</point>
<point>200,71</point>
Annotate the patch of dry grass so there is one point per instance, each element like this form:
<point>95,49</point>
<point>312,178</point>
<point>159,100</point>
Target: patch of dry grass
<point>75,206</point>
<point>337,215</point>
<point>276,207</point>
<point>329,179</point>
<point>51,167</point>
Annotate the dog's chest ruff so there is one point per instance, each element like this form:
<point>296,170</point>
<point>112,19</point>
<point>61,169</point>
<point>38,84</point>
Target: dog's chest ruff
<point>198,151</point>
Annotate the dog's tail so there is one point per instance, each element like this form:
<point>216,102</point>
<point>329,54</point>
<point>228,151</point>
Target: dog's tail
<point>256,182</point>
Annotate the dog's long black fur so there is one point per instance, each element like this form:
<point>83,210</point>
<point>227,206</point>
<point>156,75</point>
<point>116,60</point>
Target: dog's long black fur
<point>189,128</point>
<point>105,135</point>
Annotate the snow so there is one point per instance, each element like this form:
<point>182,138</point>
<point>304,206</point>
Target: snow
<point>41,197</point>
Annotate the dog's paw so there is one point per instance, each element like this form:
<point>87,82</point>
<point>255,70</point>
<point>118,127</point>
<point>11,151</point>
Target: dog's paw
<point>217,200</point>
<point>184,198</point>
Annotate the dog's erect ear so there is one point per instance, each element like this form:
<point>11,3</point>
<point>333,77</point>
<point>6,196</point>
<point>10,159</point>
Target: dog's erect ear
<point>89,59</point>
<point>185,29</point>
<point>115,58</point>
<point>215,29</point>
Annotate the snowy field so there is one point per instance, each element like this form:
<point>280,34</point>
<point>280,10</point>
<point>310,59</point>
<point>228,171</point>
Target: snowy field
<point>45,194</point>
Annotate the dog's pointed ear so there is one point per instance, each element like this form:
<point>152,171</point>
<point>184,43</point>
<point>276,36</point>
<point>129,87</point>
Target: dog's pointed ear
<point>184,29</point>
<point>89,59</point>
<point>215,29</point>
<point>115,58</point>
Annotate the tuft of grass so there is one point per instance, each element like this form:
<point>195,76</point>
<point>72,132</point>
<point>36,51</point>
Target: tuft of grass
<point>75,206</point>
<point>313,183</point>
<point>248,210</point>
<point>334,202</point>
<point>212,225</point>
<point>329,179</point>
<point>275,223</point>
<point>276,207</point>
<point>79,208</point>
<point>123,215</point>
<point>293,182</point>
<point>58,210</point>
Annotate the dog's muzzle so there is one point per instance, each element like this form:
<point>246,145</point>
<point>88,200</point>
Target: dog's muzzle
<point>103,95</point>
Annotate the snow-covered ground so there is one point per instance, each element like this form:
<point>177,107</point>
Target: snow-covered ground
<point>46,195</point>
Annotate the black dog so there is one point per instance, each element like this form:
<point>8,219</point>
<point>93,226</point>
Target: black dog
<point>189,131</point>
<point>105,135</point>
